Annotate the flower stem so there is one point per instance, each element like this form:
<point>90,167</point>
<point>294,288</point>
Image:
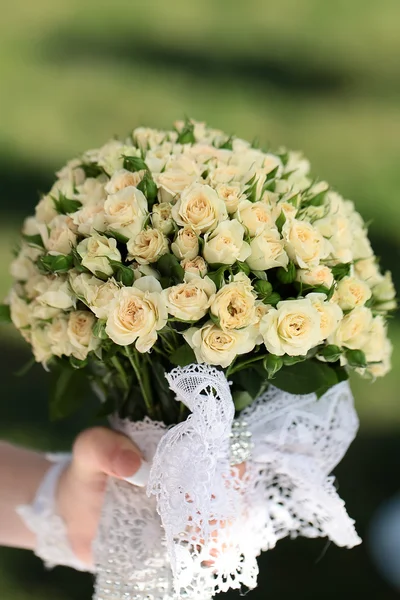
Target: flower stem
<point>115,361</point>
<point>142,376</point>
<point>238,367</point>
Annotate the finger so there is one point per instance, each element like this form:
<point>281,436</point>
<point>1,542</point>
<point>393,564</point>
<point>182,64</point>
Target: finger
<point>100,451</point>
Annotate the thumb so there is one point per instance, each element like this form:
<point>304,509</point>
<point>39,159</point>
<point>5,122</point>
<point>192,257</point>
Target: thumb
<point>100,451</point>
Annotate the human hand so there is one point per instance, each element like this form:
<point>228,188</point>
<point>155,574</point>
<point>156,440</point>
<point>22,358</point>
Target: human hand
<point>97,454</point>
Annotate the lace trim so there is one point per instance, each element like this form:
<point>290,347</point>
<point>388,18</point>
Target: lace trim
<point>52,544</point>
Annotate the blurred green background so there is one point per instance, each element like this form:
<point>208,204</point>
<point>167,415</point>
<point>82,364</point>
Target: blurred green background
<point>320,76</point>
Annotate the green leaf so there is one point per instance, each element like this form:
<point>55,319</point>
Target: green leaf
<point>244,267</point>
<point>287,275</point>
<point>288,361</point>
<point>272,364</point>
<point>273,299</point>
<point>272,174</point>
<point>356,358</point>
<point>5,313</point>
<point>92,169</point>
<point>76,363</point>
<point>99,330</point>
<point>183,356</point>
<point>117,236</point>
<point>281,220</point>
<point>186,135</point>
<point>66,206</point>
<point>317,200</point>
<point>33,240</point>
<point>227,145</point>
<point>125,276</point>
<point>215,319</point>
<point>149,188</point>
<point>218,276</point>
<point>241,399</point>
<point>341,270</point>
<point>170,269</point>
<point>25,368</point>
<point>60,263</point>
<point>134,163</point>
<point>330,353</point>
<point>306,377</point>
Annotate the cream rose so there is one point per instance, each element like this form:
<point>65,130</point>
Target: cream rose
<point>225,244</point>
<point>96,253</point>
<point>58,237</point>
<point>80,333</point>
<point>255,216</point>
<point>96,294</point>
<point>200,207</point>
<point>234,304</point>
<point>45,210</point>
<point>90,219</point>
<point>385,364</point>
<point>172,183</point>
<point>353,329</point>
<point>293,328</point>
<point>162,218</point>
<point>352,292</point>
<point>105,294</point>
<point>231,194</point>
<point>57,294</point>
<point>58,338</point>
<point>267,251</point>
<point>20,310</point>
<point>367,269</point>
<point>189,301</point>
<point>321,275</point>
<point>304,244</point>
<point>41,345</point>
<point>331,314</point>
<point>147,246</point>
<point>214,346</point>
<point>23,267</point>
<point>194,267</point>
<point>125,211</point>
<point>140,271</point>
<point>375,345</point>
<point>385,292</point>
<point>122,179</point>
<point>186,244</point>
<point>136,314</point>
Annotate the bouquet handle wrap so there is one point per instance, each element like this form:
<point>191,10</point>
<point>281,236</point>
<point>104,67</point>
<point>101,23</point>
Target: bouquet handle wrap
<point>204,522</point>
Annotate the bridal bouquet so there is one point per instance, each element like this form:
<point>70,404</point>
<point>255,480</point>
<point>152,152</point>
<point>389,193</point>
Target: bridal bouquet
<point>167,266</point>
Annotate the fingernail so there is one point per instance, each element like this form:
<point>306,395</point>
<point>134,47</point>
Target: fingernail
<point>141,477</point>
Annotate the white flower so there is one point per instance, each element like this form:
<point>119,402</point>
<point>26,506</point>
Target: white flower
<point>225,244</point>
<point>72,172</point>
<point>353,329</point>
<point>293,328</point>
<point>287,208</point>
<point>122,179</point>
<point>145,137</point>
<point>136,314</point>
<point>200,207</point>
<point>231,194</point>
<point>147,246</point>
<point>41,344</point>
<point>316,276</point>
<point>161,217</point>
<point>23,267</point>
<point>59,237</point>
<point>45,210</point>
<point>194,267</point>
<point>110,156</point>
<point>214,346</point>
<point>375,346</point>
<point>92,190</point>
<point>140,271</point>
<point>385,292</point>
<point>267,251</point>
<point>186,244</point>
<point>352,292</point>
<point>125,211</point>
<point>360,246</point>
<point>96,253</point>
<point>172,183</point>
<point>80,333</point>
<point>189,301</point>
<point>255,216</point>
<point>304,244</point>
<point>90,219</point>
<point>57,336</point>
<point>234,304</point>
<point>56,294</point>
<point>367,269</point>
<point>31,226</point>
<point>96,294</point>
<point>20,311</point>
<point>331,314</point>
